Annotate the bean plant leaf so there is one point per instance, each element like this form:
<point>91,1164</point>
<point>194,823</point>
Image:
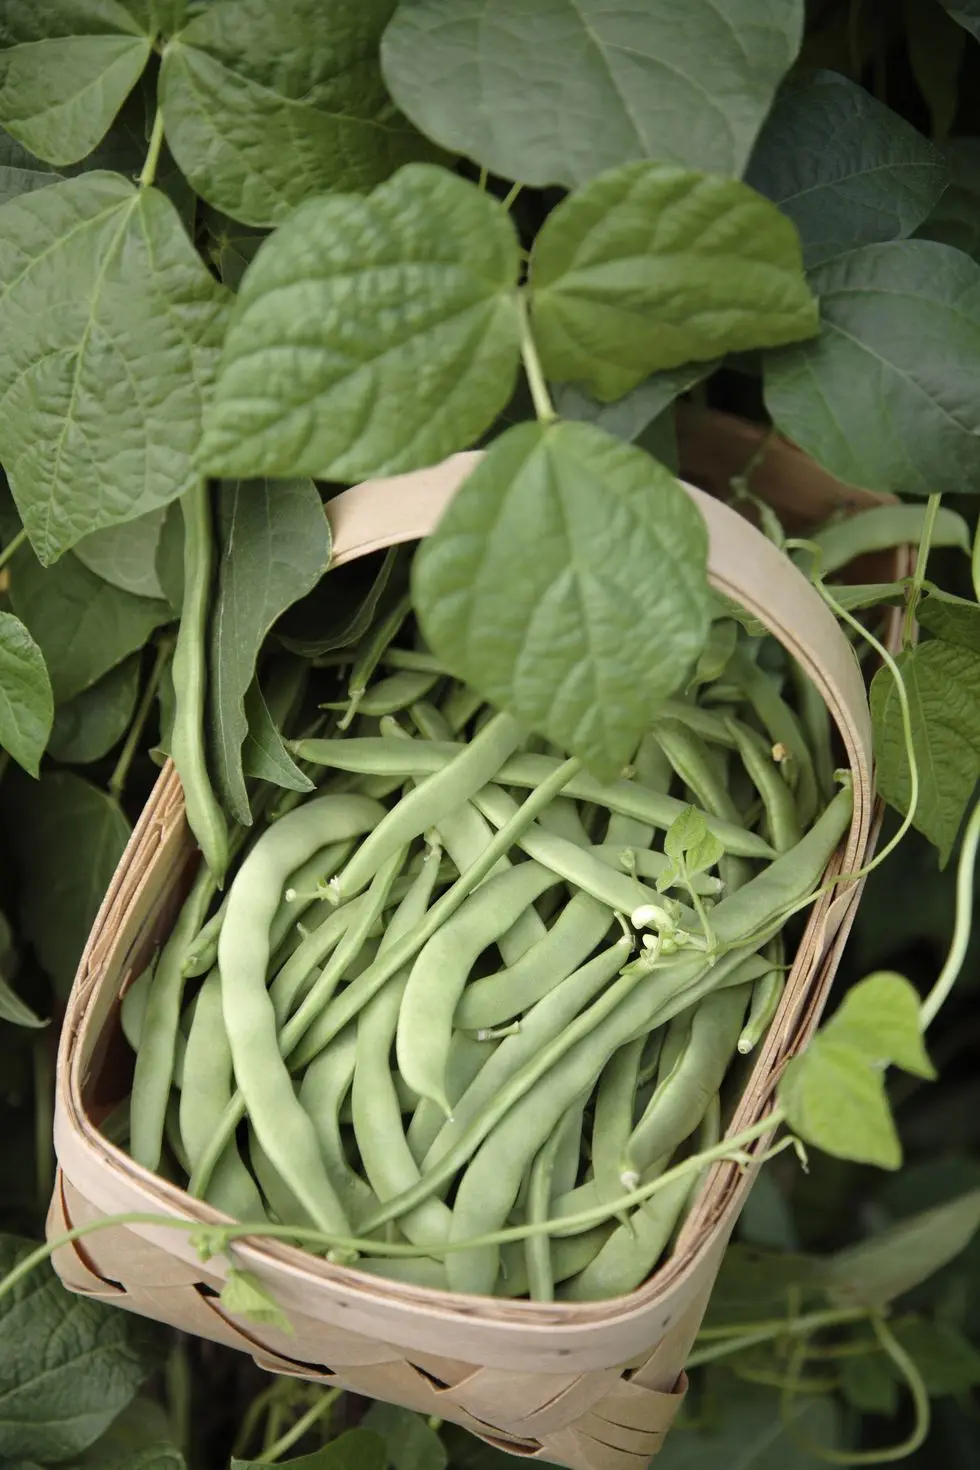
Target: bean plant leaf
<point>748,1431</point>
<point>567,582</point>
<point>948,1361</point>
<point>955,220</point>
<point>26,701</point>
<point>880,1018</point>
<point>631,416</point>
<point>967,13</point>
<point>66,69</point>
<point>20,171</point>
<point>275,548</point>
<point>67,1365</point>
<point>231,246</point>
<point>150,1457</point>
<point>649,267</point>
<point>246,1296</point>
<point>67,839</point>
<point>942,684</point>
<point>883,398</point>
<point>143,1427</point>
<point>110,323</point>
<point>88,726</point>
<point>834,1100</point>
<point>936,47</point>
<point>125,555</point>
<point>357,1449</point>
<point>868,1384</point>
<point>412,1444</point>
<point>266,106</point>
<point>845,169</point>
<point>403,312</point>
<point>17,1011</point>
<point>83,626</point>
<point>263,753</point>
<point>557,92</point>
<point>891,1263</point>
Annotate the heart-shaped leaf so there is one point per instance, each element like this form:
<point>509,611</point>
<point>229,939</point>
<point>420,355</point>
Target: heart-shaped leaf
<point>567,582</point>
<point>879,1017</point>
<point>26,701</point>
<point>650,266</point>
<point>836,1101</point>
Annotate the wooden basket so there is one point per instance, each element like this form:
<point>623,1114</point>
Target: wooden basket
<point>593,1386</point>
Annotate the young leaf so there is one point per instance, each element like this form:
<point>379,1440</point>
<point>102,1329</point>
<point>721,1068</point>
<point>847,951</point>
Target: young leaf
<point>26,701</point>
<point>66,69</point>
<point>704,854</point>
<point>956,218</point>
<point>884,397</point>
<point>567,582</point>
<point>942,684</point>
<point>244,1295</point>
<point>846,170</point>
<point>685,832</point>
<point>263,753</point>
<point>66,839</point>
<point>878,1270</point>
<point>558,92</point>
<point>948,1362</point>
<point>649,267</point>
<point>357,1449</point>
<point>868,1383</point>
<point>125,555</point>
<point>67,1365</point>
<point>83,626</point>
<point>403,310</point>
<point>266,106</point>
<point>275,547</point>
<point>879,1017</point>
<point>88,726</point>
<point>20,171</point>
<point>110,322</point>
<point>836,1101</point>
<point>15,1010</point>
<point>412,1444</point>
<point>967,13</point>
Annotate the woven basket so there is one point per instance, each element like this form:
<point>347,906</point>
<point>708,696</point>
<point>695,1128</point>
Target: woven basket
<point>593,1386</point>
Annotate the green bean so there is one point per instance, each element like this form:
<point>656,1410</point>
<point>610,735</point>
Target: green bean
<point>280,1123</point>
<point>204,814</point>
<point>161,1019</point>
<point>204,1095</point>
<point>563,820</point>
<point>441,969</point>
<point>414,658</point>
<point>302,1048</point>
<point>325,1085</point>
<point>816,723</point>
<point>782,725</point>
<point>706,723</point>
<point>467,1058</point>
<point>582,924</point>
<point>282,1202</point>
<point>418,758</point>
<point>389,695</point>
<point>422,1271</point>
<point>784,826</point>
<point>767,992</point>
<point>631,1252</point>
<point>172,1133</point>
<point>691,759</point>
<point>880,528</point>
<point>612,1123</point>
<point>370,652</point>
<point>679,1102</point>
<point>133,1006</point>
<point>567,1256</point>
<point>293,980</point>
<point>537,1248</point>
<point>460,706</point>
<point>385,1155</point>
<point>442,793</point>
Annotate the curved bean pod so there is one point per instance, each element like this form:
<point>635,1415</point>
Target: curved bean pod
<point>325,1085</point>
<point>784,824</point>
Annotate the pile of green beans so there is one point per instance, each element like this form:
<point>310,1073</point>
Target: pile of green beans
<point>463,985</point>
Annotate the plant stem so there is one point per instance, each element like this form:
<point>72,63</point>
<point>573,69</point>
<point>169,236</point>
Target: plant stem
<point>914,591</point>
<point>949,973</point>
<point>149,170</point>
<point>543,406</point>
<point>287,1440</point>
<point>117,781</point>
<point>178,1380</point>
<point>749,1336</point>
<point>12,546</point>
<point>511,195</point>
<point>484,175</point>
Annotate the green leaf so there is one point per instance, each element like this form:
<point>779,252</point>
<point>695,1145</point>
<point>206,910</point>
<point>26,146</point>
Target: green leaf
<point>20,171</point>
<point>757,1285</point>
<point>558,92</point>
<point>567,581</point>
<point>65,71</point>
<point>879,1017</point>
<point>411,1444</point>
<point>884,397</point>
<point>956,218</point>
<point>404,310</point>
<point>83,626</point>
<point>357,1449</point>
<point>263,753</point>
<point>846,170</point>
<point>948,1362</point>
<point>966,13</point>
<point>88,726</point>
<point>266,106</point>
<point>143,1426</point>
<point>649,267</point>
<point>67,1366</point>
<point>125,555</point>
<point>936,48</point>
<point>15,1010</point>
<point>748,1432</point>
<point>685,832</point>
<point>110,322</point>
<point>878,1270</point>
<point>868,1384</point>
<point>244,1295</point>
<point>342,608</point>
<point>836,1101</point>
<point>630,416</point>
<point>67,839</point>
<point>953,619</point>
<point>231,246</point>
<point>275,543</point>
<point>942,684</point>
<point>26,701</point>
<point>704,854</point>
